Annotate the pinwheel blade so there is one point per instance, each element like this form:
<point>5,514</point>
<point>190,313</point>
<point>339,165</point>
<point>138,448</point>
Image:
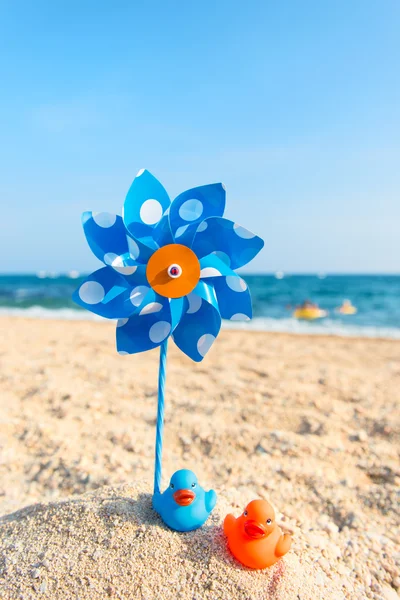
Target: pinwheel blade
<point>204,291</point>
<point>105,293</point>
<point>146,329</point>
<point>162,233</point>
<point>145,204</point>
<point>109,242</point>
<point>233,244</point>
<point>198,328</point>
<point>178,307</point>
<point>190,208</point>
<point>234,300</point>
<point>212,266</point>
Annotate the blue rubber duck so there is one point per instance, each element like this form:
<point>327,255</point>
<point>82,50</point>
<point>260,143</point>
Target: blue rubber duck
<point>184,505</point>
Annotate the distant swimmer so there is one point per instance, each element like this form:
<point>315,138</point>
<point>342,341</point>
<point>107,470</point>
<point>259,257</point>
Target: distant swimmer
<point>347,308</point>
<point>309,310</point>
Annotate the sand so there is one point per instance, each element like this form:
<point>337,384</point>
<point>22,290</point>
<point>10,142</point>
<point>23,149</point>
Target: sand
<point>310,423</point>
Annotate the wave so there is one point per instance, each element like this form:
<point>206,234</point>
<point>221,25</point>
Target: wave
<point>325,327</point>
<point>39,312</point>
<point>284,325</point>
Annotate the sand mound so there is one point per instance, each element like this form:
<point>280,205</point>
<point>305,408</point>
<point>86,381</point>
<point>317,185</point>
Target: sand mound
<point>310,423</point>
<point>110,543</point>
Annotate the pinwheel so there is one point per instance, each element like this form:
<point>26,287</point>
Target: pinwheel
<point>169,271</point>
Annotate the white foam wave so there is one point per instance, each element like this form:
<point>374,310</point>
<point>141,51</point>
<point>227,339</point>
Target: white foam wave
<point>323,327</point>
<point>287,325</point>
<point>39,312</point>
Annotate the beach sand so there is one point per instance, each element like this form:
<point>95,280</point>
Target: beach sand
<point>310,423</point>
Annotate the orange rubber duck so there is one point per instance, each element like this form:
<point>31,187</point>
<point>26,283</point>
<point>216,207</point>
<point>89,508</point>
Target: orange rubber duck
<point>254,538</point>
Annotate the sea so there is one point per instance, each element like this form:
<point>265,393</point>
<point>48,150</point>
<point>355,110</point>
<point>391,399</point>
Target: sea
<point>377,298</point>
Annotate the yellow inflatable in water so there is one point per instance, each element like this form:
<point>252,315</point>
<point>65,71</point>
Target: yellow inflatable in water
<point>309,313</point>
<point>347,308</point>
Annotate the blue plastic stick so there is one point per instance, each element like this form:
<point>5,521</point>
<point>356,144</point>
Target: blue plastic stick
<point>160,416</point>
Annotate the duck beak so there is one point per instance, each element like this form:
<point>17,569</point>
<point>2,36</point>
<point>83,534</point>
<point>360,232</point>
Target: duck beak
<point>184,497</point>
<point>254,530</point>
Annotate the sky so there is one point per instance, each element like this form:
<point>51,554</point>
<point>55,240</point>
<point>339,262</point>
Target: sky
<point>293,105</point>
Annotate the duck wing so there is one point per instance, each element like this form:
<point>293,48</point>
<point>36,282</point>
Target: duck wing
<point>210,500</point>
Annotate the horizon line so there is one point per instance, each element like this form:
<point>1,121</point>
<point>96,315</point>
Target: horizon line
<point>49,274</point>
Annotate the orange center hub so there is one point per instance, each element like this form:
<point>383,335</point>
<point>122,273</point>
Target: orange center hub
<point>173,271</point>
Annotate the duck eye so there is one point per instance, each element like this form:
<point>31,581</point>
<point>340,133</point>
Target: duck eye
<point>245,513</point>
<point>172,486</point>
<point>193,485</point>
<point>269,521</point>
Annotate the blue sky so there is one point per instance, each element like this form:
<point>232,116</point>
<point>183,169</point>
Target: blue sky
<point>293,105</point>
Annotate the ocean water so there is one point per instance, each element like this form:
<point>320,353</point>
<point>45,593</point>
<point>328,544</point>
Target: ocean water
<point>377,298</point>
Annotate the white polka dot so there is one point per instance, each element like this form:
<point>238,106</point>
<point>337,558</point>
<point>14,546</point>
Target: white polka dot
<point>138,293</point>
<point>223,187</point>
<point>134,250</point>
<point>117,261</point>
<point>202,227</point>
<point>191,210</point>
<point>181,230</point>
<point>240,317</point>
<point>125,270</point>
<point>151,211</point>
<point>139,173</point>
<point>152,307</point>
<point>242,232</point>
<point>209,272</point>
<point>122,352</point>
<point>91,292</point>
<point>159,331</point>
<point>122,322</point>
<point>118,265</point>
<point>236,283</point>
<point>104,219</point>
<point>222,256</point>
<point>204,343</point>
<point>195,303</point>
<point>110,257</point>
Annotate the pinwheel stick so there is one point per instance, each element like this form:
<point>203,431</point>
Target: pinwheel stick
<point>160,416</point>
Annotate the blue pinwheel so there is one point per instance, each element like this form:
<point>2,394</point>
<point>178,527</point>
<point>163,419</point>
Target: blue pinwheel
<point>169,270</point>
